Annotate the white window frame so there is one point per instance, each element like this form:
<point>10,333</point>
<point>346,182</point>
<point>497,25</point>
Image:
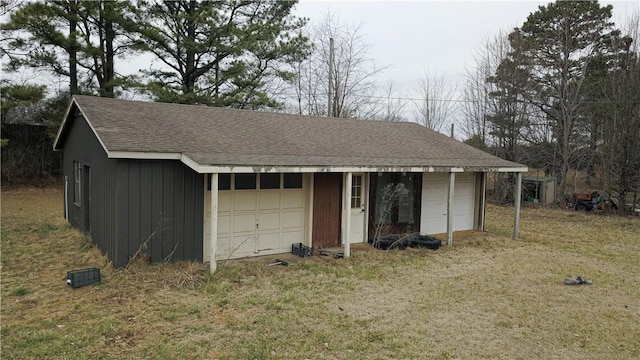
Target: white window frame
<point>77,181</point>
<point>357,196</point>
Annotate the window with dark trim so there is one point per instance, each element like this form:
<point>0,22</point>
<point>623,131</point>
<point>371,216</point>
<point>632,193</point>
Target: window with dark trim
<point>269,181</point>
<point>77,175</point>
<point>224,182</point>
<point>395,200</point>
<point>293,181</point>
<point>245,181</point>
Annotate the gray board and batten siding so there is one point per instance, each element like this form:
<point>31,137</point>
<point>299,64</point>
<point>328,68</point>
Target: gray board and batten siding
<point>130,199</point>
<point>81,147</point>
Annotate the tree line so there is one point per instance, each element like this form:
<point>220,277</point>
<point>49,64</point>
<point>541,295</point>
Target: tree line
<point>559,93</point>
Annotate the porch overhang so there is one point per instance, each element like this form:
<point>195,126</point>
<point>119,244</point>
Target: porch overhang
<point>251,163</point>
<point>295,168</point>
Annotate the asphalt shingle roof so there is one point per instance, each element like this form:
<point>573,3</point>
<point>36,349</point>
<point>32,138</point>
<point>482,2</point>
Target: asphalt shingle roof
<point>231,137</point>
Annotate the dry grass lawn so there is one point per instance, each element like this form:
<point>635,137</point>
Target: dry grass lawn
<point>486,297</point>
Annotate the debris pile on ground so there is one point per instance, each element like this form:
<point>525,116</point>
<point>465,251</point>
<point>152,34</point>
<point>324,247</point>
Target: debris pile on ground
<point>578,281</point>
<point>393,241</point>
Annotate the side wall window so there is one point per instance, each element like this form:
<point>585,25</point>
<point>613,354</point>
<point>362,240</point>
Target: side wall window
<point>77,175</point>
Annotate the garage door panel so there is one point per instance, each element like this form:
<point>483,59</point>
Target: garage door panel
<point>224,248</point>
<point>245,201</point>
<point>292,219</point>
<point>463,223</point>
<point>270,221</point>
<point>224,202</point>
<point>244,223</point>
<point>224,224</point>
<point>268,241</point>
<point>463,202</point>
<point>243,245</point>
<point>435,191</point>
<point>292,199</point>
<point>290,237</point>
<point>433,218</point>
<point>463,191</point>
<point>255,222</point>
<point>269,200</point>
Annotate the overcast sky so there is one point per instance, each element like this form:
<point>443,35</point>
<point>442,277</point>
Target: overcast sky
<point>441,36</point>
<point>406,37</point>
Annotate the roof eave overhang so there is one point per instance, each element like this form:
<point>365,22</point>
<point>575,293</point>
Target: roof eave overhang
<point>144,155</point>
<point>343,169</point>
<point>209,169</point>
<point>244,168</point>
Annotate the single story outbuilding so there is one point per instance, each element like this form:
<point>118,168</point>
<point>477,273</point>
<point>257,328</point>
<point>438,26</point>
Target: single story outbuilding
<point>189,182</point>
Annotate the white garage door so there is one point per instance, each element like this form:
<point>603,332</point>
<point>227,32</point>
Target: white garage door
<point>435,187</point>
<point>256,222</point>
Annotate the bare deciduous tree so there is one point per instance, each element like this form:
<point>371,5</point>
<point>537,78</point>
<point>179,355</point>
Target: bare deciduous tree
<point>353,78</point>
<point>393,104</point>
<point>476,103</point>
<point>621,130</point>
<point>437,102</point>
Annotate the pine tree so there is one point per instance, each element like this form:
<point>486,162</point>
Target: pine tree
<point>560,40</point>
<point>72,39</point>
<point>220,53</point>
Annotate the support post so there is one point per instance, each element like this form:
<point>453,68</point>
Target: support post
<point>367,183</point>
<point>310,210</point>
<point>213,241</point>
<point>347,217</point>
<point>452,183</point>
<point>518,195</point>
<point>483,200</point>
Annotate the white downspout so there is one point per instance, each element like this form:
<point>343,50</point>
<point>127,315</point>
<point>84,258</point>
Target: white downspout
<point>66,200</point>
<point>213,241</point>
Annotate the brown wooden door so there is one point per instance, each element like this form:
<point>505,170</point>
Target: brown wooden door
<point>327,203</point>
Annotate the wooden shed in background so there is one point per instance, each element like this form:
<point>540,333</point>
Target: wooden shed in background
<point>539,189</point>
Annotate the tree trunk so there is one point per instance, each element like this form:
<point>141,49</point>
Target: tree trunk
<point>72,50</point>
<point>107,88</point>
<point>190,66</point>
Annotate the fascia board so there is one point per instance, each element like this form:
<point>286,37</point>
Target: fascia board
<point>64,123</point>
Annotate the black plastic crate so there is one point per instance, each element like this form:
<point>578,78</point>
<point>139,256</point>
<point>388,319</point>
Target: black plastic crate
<point>301,250</point>
<point>79,278</point>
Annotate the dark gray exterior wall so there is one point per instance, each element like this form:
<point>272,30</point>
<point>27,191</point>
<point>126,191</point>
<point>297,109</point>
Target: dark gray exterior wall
<point>162,201</point>
<point>82,146</point>
<point>135,200</point>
